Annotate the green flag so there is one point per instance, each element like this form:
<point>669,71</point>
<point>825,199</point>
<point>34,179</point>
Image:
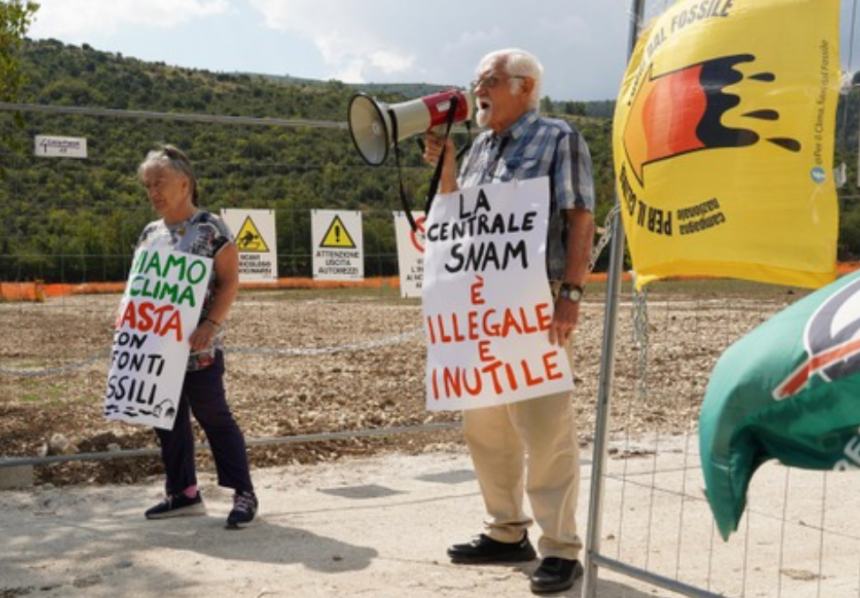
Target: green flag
<point>789,390</point>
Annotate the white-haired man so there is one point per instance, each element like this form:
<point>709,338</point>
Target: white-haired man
<point>520,144</point>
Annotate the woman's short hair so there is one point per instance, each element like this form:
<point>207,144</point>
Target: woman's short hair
<point>518,63</point>
<point>172,157</point>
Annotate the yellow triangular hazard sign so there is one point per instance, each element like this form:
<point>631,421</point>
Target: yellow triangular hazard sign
<point>249,239</point>
<point>337,235</point>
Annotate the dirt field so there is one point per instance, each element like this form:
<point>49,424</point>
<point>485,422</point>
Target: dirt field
<point>303,362</point>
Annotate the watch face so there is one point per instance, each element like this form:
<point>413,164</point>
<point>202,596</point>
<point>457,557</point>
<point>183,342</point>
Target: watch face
<point>570,292</point>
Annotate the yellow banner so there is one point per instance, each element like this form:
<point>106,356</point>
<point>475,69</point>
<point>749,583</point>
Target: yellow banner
<point>723,142</point>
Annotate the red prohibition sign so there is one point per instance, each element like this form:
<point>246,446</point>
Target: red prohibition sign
<point>417,236</point>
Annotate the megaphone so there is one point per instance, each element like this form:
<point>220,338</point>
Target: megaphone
<point>372,123</point>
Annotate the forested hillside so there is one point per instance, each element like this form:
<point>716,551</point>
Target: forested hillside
<point>63,207</point>
<point>67,219</point>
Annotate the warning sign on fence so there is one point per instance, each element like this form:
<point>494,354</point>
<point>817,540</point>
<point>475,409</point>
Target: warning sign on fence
<point>256,241</point>
<point>337,236</point>
<point>336,243</point>
<point>410,253</point>
<point>250,239</point>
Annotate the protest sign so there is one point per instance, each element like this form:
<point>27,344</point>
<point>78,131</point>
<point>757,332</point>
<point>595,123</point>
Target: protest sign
<point>158,312</point>
<point>254,235</point>
<point>337,245</point>
<point>410,253</point>
<point>487,303</point>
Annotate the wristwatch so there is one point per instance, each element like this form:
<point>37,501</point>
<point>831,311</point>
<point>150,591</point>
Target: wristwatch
<point>571,292</point>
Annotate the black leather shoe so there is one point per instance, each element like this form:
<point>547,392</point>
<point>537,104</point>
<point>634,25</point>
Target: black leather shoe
<point>484,549</point>
<point>555,575</point>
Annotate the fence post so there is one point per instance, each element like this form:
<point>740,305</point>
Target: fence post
<point>607,366</point>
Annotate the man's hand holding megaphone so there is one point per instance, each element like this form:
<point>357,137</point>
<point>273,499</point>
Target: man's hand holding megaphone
<point>433,145</point>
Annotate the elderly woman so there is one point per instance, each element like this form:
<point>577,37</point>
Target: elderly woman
<point>172,188</point>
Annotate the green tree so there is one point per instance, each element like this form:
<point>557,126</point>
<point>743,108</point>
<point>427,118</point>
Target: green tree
<point>546,105</point>
<point>15,19</point>
<point>574,108</point>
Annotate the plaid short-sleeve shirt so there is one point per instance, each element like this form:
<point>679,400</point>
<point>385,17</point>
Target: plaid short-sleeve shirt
<point>532,147</point>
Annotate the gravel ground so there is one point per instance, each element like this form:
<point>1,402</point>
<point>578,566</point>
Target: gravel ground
<point>303,362</point>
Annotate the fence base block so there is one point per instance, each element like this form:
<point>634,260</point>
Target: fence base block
<point>19,476</point>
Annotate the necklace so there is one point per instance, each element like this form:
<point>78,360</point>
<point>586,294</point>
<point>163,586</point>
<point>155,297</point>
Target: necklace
<point>180,228</point>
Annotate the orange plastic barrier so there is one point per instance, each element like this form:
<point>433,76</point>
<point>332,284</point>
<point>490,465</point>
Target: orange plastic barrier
<point>376,282</point>
<point>22,291</point>
<point>846,267</point>
<point>37,291</point>
<point>602,277</point>
<point>84,288</point>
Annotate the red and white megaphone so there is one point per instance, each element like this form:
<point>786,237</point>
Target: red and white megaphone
<point>372,124</point>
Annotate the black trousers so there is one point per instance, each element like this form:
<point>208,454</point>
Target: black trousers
<point>203,393</point>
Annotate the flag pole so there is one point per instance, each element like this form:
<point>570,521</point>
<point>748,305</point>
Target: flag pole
<point>607,366</point>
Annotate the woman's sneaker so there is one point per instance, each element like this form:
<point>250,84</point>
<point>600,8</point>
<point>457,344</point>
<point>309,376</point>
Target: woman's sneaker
<point>177,505</point>
<point>244,508</point>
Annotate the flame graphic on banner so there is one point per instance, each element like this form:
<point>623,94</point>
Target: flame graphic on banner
<point>681,111</point>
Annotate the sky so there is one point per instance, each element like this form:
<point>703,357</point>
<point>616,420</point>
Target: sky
<point>581,43</point>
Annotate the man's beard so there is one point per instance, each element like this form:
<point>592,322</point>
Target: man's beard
<point>485,112</point>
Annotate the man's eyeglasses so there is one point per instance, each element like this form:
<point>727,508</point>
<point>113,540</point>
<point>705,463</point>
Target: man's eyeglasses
<point>490,81</point>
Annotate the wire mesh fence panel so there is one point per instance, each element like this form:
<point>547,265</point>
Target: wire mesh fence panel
<point>798,536</point>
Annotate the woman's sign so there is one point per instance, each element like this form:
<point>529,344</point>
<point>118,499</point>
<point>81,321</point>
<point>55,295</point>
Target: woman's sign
<point>487,303</point>
<point>158,312</point>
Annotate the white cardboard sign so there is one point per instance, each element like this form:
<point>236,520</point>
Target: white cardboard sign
<point>487,302</point>
<point>158,312</point>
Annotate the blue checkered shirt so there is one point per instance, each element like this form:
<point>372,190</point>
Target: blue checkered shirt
<point>532,147</point>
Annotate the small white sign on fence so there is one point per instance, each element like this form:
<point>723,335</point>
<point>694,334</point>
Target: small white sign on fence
<point>51,146</point>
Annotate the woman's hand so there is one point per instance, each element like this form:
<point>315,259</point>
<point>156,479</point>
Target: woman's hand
<point>202,336</point>
<point>226,288</point>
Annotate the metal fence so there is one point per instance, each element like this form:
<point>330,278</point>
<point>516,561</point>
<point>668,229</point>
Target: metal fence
<point>651,522</point>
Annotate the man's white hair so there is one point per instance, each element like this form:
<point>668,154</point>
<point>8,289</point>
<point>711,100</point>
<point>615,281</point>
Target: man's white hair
<point>517,63</point>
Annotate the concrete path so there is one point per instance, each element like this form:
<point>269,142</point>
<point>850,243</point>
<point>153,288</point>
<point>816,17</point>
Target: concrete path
<point>379,527</point>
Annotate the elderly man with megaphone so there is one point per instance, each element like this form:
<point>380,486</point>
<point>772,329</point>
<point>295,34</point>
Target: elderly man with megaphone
<point>520,144</point>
